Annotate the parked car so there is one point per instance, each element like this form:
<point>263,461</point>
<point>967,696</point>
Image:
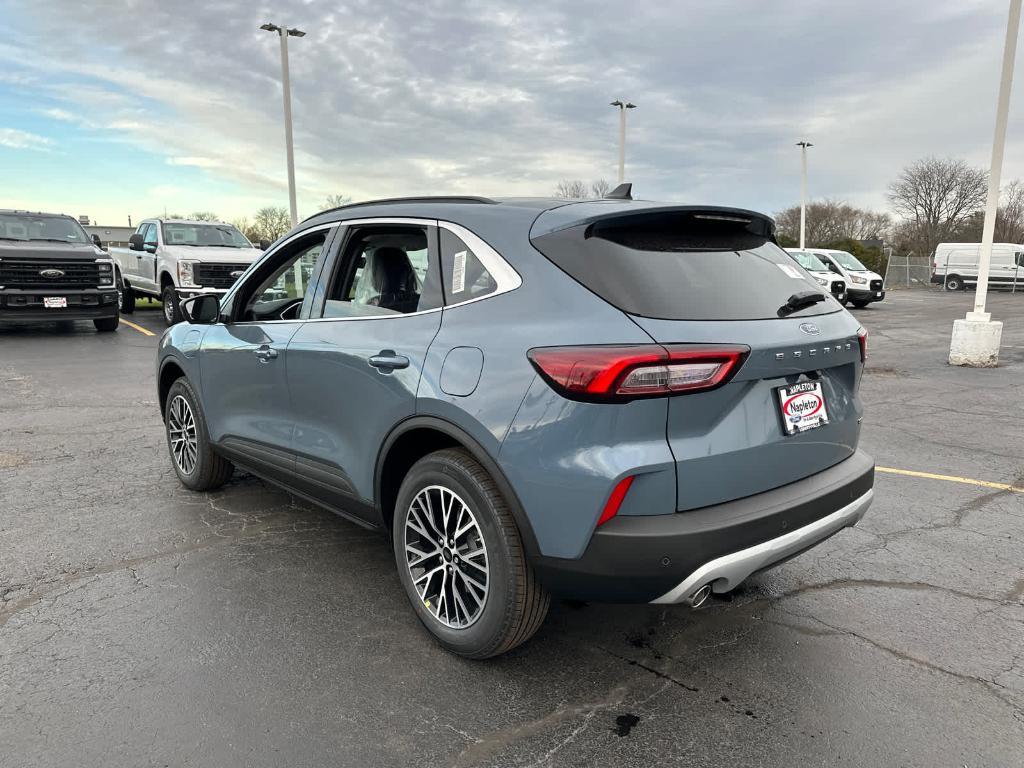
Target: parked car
<point>172,259</point>
<point>608,400</point>
<point>820,273</point>
<point>862,285</point>
<point>50,269</point>
<point>955,265</point>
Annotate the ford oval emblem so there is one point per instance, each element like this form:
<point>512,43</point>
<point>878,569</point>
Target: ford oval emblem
<point>51,274</point>
<point>810,329</point>
<point>237,273</point>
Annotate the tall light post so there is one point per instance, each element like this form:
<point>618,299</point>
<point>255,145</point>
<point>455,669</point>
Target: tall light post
<point>976,338</point>
<point>623,106</point>
<point>803,189</point>
<point>284,33</point>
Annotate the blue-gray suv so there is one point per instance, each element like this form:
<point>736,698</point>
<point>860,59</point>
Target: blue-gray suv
<point>607,400</point>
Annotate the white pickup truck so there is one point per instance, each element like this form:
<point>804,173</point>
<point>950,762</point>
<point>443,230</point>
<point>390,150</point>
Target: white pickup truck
<point>172,259</point>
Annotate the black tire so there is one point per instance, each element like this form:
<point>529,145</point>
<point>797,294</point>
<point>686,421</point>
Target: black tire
<point>954,283</point>
<point>515,604</point>
<point>172,307</point>
<point>860,303</point>
<point>210,470</point>
<point>126,301</point>
<point>107,324</point>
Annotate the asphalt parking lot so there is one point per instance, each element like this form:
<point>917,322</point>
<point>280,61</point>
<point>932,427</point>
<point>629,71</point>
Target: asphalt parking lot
<point>141,624</point>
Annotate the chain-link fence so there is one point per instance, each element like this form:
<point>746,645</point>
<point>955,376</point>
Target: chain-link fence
<point>908,272</point>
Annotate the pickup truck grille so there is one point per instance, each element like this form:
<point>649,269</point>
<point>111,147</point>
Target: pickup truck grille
<point>218,275</point>
<point>27,273</point>
<point>876,285</point>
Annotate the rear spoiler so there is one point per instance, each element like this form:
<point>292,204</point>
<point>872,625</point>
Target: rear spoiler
<point>624,212</point>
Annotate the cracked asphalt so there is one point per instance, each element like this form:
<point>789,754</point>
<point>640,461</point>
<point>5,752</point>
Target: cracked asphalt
<point>143,625</point>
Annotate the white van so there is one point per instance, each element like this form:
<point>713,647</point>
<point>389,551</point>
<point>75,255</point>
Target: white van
<point>955,265</point>
<point>862,285</point>
<point>820,272</point>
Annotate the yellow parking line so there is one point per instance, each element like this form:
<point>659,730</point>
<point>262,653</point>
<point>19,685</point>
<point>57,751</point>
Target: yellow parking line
<point>139,328</point>
<point>952,479</point>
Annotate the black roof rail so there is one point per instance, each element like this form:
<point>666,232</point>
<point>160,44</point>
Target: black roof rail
<point>399,200</point>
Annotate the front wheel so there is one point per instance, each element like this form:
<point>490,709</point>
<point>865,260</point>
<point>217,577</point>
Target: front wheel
<point>107,324</point>
<point>197,466</point>
<point>461,559</point>
<point>860,303</point>
<point>172,307</point>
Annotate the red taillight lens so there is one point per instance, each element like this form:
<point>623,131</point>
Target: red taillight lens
<point>620,373</point>
<point>862,337</point>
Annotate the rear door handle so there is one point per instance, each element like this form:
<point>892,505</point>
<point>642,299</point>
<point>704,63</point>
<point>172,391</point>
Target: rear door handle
<point>388,360</point>
<point>265,354</point>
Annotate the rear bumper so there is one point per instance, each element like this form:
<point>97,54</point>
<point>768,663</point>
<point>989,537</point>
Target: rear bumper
<point>83,304</point>
<point>666,558</point>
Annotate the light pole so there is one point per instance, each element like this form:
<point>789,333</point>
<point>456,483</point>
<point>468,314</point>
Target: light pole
<point>623,106</point>
<point>976,338</point>
<point>803,189</point>
<point>284,33</point>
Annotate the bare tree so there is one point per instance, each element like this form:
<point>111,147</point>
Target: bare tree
<point>204,216</point>
<point>272,222</point>
<point>335,201</point>
<point>1010,221</point>
<point>247,228</point>
<point>830,221</point>
<point>600,188</point>
<point>935,197</point>
<point>571,189</point>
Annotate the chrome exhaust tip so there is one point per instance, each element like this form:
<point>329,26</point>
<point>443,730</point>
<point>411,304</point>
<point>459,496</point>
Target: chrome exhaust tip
<point>698,598</point>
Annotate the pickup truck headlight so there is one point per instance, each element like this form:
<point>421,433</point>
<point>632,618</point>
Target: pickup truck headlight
<point>821,280</point>
<point>186,274</point>
<point>106,269</point>
<point>859,280</point>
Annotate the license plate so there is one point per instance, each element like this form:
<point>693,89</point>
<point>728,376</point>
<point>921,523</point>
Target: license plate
<point>802,406</point>
<point>55,302</point>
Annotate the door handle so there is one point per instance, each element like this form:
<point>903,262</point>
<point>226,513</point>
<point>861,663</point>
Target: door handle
<point>265,354</point>
<point>387,360</point>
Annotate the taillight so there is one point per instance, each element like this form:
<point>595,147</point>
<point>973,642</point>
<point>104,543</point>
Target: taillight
<point>862,338</point>
<point>619,373</point>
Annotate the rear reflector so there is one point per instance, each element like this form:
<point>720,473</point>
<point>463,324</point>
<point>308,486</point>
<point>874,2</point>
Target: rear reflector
<point>611,509</point>
<point>620,373</point>
<point>862,337</point>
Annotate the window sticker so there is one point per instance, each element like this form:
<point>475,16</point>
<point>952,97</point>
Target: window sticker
<point>459,272</point>
<point>791,271</point>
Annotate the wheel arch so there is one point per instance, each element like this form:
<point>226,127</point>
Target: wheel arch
<point>418,436</point>
<point>170,371</point>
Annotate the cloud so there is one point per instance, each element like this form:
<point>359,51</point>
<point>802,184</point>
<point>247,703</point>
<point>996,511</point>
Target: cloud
<point>15,139</point>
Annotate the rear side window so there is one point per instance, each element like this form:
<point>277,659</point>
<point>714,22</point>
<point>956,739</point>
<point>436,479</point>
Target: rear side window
<point>684,265</point>
<point>465,277</point>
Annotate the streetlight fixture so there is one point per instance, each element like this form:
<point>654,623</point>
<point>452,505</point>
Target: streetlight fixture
<point>623,106</point>
<point>284,33</point>
<point>976,338</point>
<point>804,145</point>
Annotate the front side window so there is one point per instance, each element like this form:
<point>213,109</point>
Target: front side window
<point>465,276</point>
<point>148,232</point>
<point>58,229</point>
<point>280,294</point>
<point>385,270</point>
<point>204,235</point>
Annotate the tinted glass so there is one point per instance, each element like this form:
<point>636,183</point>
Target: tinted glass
<point>682,266</point>
<point>465,277</point>
<point>385,271</point>
<point>205,235</point>
<point>290,280</point>
<point>19,226</point>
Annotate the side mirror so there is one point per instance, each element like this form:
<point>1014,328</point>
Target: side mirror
<point>134,242</point>
<point>264,244</point>
<point>203,309</point>
<point>96,241</point>
<point>833,268</point>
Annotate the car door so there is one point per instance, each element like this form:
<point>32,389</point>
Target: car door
<point>147,256</point>
<point>244,361</point>
<point>354,368</point>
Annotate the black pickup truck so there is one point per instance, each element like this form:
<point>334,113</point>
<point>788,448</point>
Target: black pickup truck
<point>50,270</point>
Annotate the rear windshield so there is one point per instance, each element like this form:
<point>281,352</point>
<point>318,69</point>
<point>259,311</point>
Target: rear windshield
<point>683,266</point>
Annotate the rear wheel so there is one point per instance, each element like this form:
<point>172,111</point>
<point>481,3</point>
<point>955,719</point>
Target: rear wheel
<point>461,559</point>
<point>172,308</point>
<point>197,466</point>
<point>954,283</point>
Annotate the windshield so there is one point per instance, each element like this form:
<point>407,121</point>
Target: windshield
<point>216,235</point>
<point>847,261</point>
<point>25,226</point>
<point>809,261</point>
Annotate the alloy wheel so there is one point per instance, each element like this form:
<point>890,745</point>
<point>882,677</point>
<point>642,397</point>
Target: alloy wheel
<point>181,430</point>
<point>168,311</point>
<point>446,556</point>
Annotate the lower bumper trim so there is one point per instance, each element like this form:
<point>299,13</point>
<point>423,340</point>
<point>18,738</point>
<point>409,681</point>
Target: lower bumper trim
<point>726,572</point>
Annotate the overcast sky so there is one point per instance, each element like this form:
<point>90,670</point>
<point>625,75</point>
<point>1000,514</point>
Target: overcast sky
<point>124,108</point>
